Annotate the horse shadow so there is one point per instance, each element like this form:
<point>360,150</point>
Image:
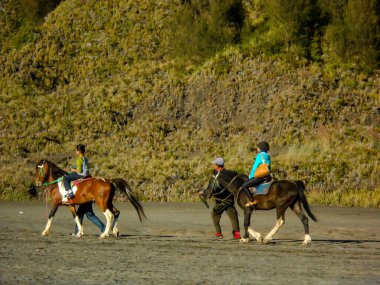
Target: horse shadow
<point>122,236</point>
<point>333,241</point>
<point>274,241</point>
<point>353,241</point>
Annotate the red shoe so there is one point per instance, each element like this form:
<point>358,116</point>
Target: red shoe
<point>237,235</point>
<point>218,235</point>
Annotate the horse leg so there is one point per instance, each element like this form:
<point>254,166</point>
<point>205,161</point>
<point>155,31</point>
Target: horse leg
<point>76,218</point>
<point>50,219</point>
<point>109,218</point>
<point>279,223</point>
<point>116,214</point>
<point>297,209</point>
<point>256,235</point>
<point>247,229</point>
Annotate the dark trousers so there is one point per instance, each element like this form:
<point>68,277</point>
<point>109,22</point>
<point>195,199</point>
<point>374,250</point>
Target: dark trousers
<point>229,208</point>
<point>72,176</point>
<point>86,209</point>
<point>254,182</point>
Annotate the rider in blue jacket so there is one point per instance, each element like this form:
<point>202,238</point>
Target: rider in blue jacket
<point>261,157</point>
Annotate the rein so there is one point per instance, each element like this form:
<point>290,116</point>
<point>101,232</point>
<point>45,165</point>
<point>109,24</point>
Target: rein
<point>41,167</point>
<point>52,182</point>
<point>48,186</point>
<point>47,192</point>
<point>224,198</point>
<point>226,187</point>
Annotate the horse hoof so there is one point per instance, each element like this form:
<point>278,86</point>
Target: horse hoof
<point>266,241</point>
<point>260,240</point>
<point>116,233</point>
<point>244,240</point>
<point>307,240</point>
<point>103,236</point>
<point>44,233</point>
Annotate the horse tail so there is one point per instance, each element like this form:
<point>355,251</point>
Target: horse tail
<point>124,187</point>
<point>301,187</point>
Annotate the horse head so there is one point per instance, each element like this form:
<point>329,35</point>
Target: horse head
<point>230,180</point>
<point>47,171</point>
<point>212,187</point>
<point>42,172</point>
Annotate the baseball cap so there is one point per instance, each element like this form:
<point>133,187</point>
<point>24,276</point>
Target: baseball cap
<point>218,161</point>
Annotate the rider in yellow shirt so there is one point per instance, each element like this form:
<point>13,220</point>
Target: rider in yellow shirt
<point>79,170</point>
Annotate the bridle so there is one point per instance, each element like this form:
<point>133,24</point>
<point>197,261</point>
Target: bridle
<point>216,182</point>
<point>41,171</point>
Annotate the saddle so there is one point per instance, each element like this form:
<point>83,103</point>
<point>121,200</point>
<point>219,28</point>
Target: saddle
<point>63,191</point>
<point>76,182</point>
<point>261,189</point>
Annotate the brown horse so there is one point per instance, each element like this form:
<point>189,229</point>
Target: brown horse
<point>281,195</point>
<point>99,190</point>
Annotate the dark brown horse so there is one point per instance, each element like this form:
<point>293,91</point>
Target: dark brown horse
<point>99,190</point>
<point>282,194</point>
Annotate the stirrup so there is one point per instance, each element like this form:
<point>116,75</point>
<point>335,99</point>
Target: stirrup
<point>250,204</point>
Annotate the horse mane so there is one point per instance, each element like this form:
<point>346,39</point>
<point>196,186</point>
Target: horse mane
<point>237,179</point>
<point>230,174</point>
<point>56,172</point>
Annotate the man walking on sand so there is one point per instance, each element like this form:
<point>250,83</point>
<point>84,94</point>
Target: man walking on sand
<point>224,202</point>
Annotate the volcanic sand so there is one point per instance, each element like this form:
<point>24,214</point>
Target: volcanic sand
<point>176,246</point>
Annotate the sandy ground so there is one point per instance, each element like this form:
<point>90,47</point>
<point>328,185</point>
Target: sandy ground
<point>176,246</point>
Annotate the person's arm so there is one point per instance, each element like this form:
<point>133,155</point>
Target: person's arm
<point>206,193</point>
<point>202,193</point>
<point>255,165</point>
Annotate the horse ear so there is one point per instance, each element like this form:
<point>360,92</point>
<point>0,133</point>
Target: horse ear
<point>305,180</point>
<point>41,163</point>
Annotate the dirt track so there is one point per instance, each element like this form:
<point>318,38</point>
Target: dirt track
<point>176,246</point>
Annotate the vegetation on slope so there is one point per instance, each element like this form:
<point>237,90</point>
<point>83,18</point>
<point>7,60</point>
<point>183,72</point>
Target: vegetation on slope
<point>155,92</point>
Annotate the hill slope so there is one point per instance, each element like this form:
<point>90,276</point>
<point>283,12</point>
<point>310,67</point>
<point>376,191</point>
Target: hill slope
<point>102,73</point>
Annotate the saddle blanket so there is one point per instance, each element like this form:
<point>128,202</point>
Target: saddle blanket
<point>261,189</point>
<point>63,191</point>
<point>74,184</point>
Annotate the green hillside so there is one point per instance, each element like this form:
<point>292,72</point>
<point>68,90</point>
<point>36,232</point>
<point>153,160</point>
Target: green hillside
<point>155,95</point>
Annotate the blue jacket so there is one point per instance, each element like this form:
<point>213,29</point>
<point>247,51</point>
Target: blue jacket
<point>258,161</point>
